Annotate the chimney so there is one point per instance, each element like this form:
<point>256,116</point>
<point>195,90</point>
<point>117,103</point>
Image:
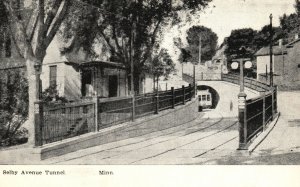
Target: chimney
<point>296,36</point>
<point>280,43</point>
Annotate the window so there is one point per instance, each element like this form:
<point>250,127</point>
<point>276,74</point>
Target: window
<point>208,97</point>
<point>203,97</point>
<point>199,97</point>
<point>53,75</point>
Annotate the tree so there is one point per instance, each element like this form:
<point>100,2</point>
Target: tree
<point>161,65</point>
<point>208,44</point>
<point>262,37</point>
<point>113,20</point>
<point>13,107</point>
<point>33,36</point>
<point>237,39</point>
<point>124,23</point>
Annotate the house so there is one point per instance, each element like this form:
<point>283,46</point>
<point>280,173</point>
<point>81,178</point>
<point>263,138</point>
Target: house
<point>286,65</point>
<point>77,76</point>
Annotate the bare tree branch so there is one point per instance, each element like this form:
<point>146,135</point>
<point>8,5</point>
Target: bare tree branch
<point>41,34</point>
<point>51,14</point>
<point>107,40</point>
<point>30,28</point>
<point>57,22</point>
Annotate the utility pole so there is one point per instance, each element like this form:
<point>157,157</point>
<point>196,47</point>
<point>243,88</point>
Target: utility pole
<point>200,49</point>
<point>271,52</point>
<point>132,68</point>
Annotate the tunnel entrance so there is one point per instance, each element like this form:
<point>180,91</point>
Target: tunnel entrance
<point>214,95</point>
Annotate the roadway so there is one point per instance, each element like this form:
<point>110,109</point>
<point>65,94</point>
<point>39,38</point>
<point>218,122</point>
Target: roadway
<point>199,141</point>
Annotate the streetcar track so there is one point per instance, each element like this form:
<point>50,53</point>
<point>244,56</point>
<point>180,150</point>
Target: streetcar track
<point>205,119</point>
<point>215,147</point>
<point>153,156</point>
<point>163,140</point>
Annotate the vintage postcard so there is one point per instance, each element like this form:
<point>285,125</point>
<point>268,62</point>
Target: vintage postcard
<point>133,90</point>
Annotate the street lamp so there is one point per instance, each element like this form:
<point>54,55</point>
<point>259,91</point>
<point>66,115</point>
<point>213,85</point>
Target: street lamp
<point>242,98</point>
<point>38,106</point>
<point>38,70</point>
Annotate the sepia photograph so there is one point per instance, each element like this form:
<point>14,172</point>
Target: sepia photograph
<point>148,83</point>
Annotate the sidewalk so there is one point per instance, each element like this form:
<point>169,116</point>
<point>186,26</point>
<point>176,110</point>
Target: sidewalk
<point>282,145</point>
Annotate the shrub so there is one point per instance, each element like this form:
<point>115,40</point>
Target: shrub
<point>13,107</point>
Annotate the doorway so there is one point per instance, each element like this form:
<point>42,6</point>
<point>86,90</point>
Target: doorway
<point>86,79</point>
<point>113,86</point>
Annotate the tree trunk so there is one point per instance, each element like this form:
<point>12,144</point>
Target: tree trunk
<point>32,89</point>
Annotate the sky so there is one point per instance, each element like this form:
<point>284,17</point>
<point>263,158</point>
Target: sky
<point>223,16</point>
<point>226,15</point>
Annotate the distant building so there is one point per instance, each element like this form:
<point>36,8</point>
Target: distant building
<point>286,65</point>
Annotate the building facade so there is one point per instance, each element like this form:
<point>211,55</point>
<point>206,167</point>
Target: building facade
<point>286,65</point>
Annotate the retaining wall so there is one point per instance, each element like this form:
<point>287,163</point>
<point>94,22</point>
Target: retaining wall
<point>165,119</point>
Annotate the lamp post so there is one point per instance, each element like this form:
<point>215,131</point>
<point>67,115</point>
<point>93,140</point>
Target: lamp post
<point>242,110</point>
<point>38,107</point>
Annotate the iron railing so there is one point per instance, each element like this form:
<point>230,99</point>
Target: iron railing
<point>248,82</point>
<point>61,121</point>
<point>113,111</point>
<point>66,121</point>
<point>259,112</point>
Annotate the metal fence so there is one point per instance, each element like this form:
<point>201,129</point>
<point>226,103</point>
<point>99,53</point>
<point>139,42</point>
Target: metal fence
<point>259,112</point>
<point>112,111</point>
<point>61,121</point>
<point>248,82</point>
<point>67,120</point>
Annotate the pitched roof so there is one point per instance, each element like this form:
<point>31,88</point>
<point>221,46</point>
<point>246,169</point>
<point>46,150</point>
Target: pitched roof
<point>11,63</point>
<point>276,51</point>
<point>97,63</point>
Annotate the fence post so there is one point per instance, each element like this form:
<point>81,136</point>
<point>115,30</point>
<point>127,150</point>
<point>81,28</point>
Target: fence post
<point>275,99</point>
<point>157,102</point>
<point>38,124</point>
<point>95,98</point>
<point>242,121</point>
<point>173,97</point>
<point>133,107</point>
<point>190,92</point>
<point>183,94</point>
<point>264,111</point>
<point>273,111</point>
